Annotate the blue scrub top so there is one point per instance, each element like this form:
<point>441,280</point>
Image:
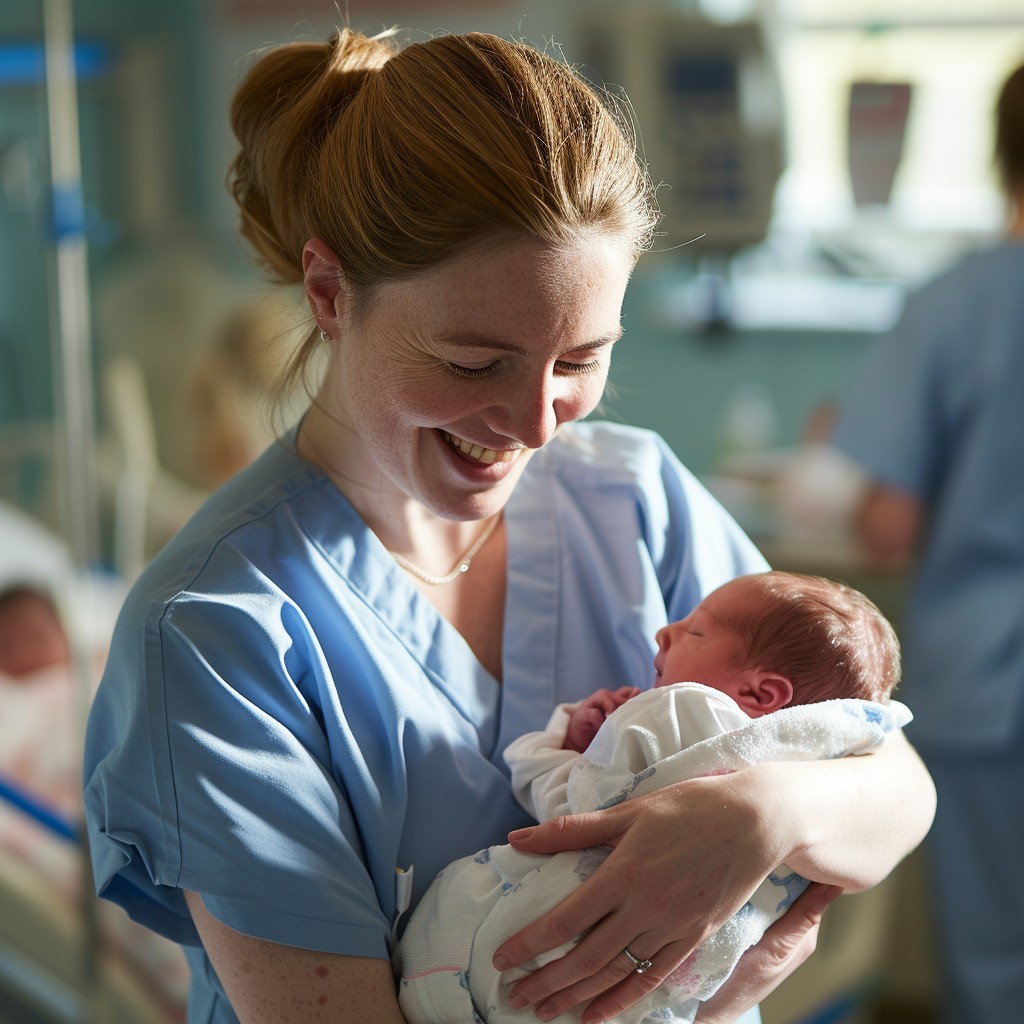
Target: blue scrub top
<point>285,720</point>
<point>937,412</point>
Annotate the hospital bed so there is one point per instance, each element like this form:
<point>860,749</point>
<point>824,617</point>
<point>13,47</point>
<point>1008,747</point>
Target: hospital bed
<point>64,959</point>
<point>65,956</point>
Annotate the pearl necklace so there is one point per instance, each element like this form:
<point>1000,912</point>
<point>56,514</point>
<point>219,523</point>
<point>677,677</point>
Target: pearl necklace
<point>461,566</point>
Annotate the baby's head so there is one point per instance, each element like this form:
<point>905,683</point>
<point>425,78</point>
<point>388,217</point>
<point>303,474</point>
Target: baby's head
<point>778,638</point>
<point>31,635</point>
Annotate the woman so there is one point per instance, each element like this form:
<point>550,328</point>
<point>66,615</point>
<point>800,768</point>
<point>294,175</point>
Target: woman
<point>311,686</point>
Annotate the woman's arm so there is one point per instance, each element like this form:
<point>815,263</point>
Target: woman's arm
<point>687,857</point>
<point>269,983</point>
<point>889,522</point>
<point>782,949</point>
<point>854,818</point>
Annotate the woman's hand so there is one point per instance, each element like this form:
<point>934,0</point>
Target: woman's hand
<point>685,859</point>
<point>782,949</point>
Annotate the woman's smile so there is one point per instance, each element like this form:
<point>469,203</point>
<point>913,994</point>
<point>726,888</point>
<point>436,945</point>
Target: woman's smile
<point>477,452</point>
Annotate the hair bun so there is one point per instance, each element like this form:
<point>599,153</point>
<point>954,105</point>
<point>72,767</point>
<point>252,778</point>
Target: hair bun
<point>282,111</point>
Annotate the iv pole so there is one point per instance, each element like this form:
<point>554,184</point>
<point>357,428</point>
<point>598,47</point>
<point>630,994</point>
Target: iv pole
<point>72,352</point>
<point>72,306</point>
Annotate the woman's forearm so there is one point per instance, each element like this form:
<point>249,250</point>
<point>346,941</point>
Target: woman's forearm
<point>851,820</point>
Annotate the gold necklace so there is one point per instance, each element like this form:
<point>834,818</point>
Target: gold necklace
<point>461,566</point>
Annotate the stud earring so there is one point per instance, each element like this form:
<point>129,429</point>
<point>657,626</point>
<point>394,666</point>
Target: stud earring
<point>324,336</point>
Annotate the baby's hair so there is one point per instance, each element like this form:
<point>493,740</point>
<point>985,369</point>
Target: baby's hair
<point>828,639</point>
<point>25,593</point>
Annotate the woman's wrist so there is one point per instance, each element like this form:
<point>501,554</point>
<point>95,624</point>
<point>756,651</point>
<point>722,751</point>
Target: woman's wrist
<point>846,821</point>
<point>779,820</point>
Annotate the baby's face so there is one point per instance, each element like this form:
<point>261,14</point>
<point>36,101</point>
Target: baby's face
<point>702,648</point>
<point>31,638</point>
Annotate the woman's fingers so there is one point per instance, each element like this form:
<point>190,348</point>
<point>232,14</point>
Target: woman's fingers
<point>575,832</point>
<point>579,911</point>
<point>593,967</point>
<point>577,914</point>
<point>611,984</point>
<point>610,1002</point>
<point>660,892</point>
<point>782,949</point>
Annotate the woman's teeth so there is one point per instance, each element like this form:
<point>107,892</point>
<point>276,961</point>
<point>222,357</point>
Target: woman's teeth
<point>475,451</point>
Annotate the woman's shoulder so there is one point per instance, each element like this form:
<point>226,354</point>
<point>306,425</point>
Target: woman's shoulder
<point>597,458</point>
<point>604,452</point>
<point>243,532</point>
<point>614,474</point>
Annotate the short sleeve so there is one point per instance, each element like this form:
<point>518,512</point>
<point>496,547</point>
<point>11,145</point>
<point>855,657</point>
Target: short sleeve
<point>235,797</point>
<point>695,542</point>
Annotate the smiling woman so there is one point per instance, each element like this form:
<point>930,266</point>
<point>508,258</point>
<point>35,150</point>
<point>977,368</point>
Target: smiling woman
<point>310,689</point>
<point>532,325</point>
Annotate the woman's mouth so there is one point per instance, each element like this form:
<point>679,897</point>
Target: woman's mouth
<point>487,456</point>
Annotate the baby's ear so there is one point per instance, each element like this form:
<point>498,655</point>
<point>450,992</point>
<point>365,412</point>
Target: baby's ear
<point>770,691</point>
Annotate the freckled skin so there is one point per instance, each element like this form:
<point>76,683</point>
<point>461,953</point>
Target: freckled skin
<point>264,981</point>
<point>521,315</point>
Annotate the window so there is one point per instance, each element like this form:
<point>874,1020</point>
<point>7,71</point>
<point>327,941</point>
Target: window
<point>954,54</point>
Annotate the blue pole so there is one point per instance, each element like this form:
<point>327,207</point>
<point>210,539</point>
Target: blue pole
<point>71,331</point>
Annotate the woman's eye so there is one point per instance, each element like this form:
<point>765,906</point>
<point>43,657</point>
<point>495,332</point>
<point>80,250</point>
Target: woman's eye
<point>470,371</point>
<point>561,366</point>
<point>565,367</point>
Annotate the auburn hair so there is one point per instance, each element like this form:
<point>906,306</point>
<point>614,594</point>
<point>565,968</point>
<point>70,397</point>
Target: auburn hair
<point>397,157</point>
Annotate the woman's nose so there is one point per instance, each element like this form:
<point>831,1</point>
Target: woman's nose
<point>534,410</point>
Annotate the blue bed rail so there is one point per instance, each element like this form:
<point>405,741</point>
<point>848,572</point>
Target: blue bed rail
<point>39,811</point>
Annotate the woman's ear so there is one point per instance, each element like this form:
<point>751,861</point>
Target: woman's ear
<point>324,283</point>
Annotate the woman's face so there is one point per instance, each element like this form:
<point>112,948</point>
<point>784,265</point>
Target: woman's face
<point>451,379</point>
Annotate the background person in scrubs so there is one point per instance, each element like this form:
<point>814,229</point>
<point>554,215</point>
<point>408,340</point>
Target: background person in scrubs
<point>311,686</point>
<point>936,421</point>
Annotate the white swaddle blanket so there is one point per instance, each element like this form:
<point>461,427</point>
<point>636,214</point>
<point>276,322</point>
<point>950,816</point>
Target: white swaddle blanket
<point>658,738</point>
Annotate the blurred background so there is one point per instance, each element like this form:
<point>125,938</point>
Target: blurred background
<point>819,159</point>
